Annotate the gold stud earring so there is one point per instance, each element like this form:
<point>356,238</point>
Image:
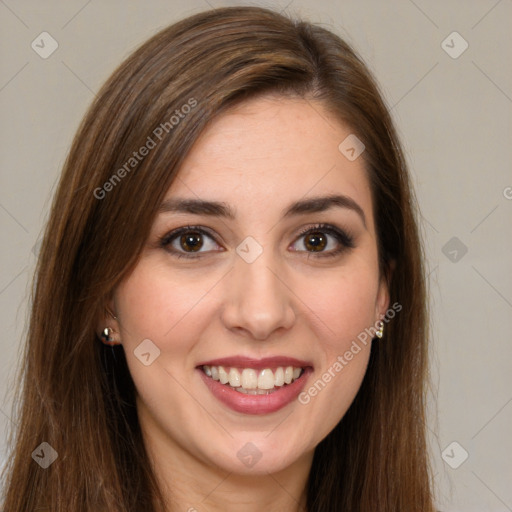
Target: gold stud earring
<point>380,332</point>
<point>107,336</point>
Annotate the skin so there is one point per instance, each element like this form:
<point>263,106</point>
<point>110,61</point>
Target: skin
<point>259,158</point>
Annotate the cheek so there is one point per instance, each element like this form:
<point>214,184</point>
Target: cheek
<point>341,308</point>
<point>161,305</point>
<point>341,303</point>
<point>166,307</point>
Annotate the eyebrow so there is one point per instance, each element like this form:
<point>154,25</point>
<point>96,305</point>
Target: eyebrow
<point>302,207</point>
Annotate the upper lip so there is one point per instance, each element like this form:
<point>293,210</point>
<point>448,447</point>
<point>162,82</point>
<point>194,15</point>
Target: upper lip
<point>257,364</point>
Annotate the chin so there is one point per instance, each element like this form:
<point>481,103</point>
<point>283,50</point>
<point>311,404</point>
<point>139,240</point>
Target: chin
<point>258,457</point>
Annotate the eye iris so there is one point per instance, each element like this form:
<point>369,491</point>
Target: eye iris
<point>315,241</point>
<point>191,241</point>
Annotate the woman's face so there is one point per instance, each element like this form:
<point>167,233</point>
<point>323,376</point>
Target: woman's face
<point>264,282</point>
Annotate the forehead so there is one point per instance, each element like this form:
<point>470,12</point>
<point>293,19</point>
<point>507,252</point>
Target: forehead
<point>268,152</point>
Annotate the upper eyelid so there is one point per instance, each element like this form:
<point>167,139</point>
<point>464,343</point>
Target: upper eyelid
<point>185,229</point>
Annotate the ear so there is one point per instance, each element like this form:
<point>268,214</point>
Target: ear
<point>107,328</point>
<point>383,299</point>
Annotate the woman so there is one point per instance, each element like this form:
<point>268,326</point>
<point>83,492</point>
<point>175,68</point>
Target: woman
<point>229,311</point>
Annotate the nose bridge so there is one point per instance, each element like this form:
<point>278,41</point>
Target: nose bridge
<point>258,302</point>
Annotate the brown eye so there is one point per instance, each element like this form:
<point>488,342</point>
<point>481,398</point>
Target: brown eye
<point>325,240</point>
<point>315,241</point>
<point>191,241</point>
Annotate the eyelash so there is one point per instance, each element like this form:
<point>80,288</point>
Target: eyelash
<point>345,240</point>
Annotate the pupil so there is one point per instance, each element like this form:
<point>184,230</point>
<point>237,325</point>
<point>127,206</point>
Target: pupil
<point>315,241</point>
<point>191,241</point>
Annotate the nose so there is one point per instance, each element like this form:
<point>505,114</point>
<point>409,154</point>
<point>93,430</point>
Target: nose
<point>258,301</point>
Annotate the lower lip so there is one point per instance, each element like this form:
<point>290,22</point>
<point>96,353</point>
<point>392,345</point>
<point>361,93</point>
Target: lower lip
<point>256,404</point>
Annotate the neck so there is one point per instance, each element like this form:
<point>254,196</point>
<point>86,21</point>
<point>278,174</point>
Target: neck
<point>218,491</point>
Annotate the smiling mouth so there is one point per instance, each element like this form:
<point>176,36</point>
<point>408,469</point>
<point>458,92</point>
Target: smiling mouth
<point>254,382</point>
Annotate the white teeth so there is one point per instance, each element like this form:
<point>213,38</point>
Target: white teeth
<point>249,379</point>
<point>266,379</point>
<point>223,375</point>
<point>279,376</point>
<point>234,378</point>
<point>253,382</point>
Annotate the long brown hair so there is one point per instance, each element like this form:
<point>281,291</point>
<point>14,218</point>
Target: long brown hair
<point>78,395</point>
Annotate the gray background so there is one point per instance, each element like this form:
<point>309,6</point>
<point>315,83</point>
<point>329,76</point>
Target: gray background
<point>454,117</point>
